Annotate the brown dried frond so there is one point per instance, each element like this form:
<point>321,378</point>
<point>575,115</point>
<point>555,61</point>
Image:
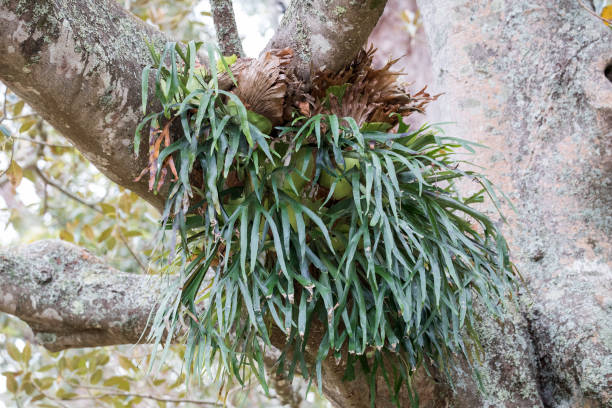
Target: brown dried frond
<point>156,137</point>
<point>370,95</point>
<point>262,83</point>
<point>322,80</point>
<point>297,97</point>
<point>225,80</point>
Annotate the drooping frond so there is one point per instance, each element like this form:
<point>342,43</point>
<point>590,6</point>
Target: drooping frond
<point>333,222</point>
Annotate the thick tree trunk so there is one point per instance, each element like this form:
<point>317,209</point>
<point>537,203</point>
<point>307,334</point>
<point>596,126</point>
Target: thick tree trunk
<point>527,79</point>
<point>529,76</point>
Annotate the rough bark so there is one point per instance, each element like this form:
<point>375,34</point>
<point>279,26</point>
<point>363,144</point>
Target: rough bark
<point>70,298</point>
<point>78,64</point>
<point>225,27</point>
<point>527,79</point>
<point>326,34</point>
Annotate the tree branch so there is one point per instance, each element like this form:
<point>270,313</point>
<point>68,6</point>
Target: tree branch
<point>79,68</point>
<point>70,298</point>
<point>557,171</point>
<point>225,27</point>
<point>326,34</point>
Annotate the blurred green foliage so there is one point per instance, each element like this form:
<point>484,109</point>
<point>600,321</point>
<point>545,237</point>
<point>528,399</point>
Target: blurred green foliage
<point>181,19</point>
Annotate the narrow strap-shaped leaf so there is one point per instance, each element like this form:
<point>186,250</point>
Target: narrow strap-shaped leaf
<point>244,222</point>
<point>335,128</point>
<point>278,247</point>
<point>254,245</point>
<point>145,88</point>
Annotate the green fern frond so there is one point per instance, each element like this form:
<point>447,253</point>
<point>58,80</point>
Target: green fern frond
<point>358,230</point>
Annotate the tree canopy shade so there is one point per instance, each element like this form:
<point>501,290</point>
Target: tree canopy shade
<point>552,354</point>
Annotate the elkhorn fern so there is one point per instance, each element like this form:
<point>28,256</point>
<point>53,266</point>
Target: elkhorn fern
<point>352,223</point>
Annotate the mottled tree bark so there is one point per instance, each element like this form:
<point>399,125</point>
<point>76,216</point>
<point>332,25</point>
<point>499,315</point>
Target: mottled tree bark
<point>527,79</point>
<point>78,64</point>
<point>225,27</point>
<point>70,298</point>
<point>326,34</point>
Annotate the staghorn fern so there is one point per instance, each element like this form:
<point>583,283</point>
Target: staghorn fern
<point>324,221</point>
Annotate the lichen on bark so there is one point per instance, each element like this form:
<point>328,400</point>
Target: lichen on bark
<point>326,34</point>
<point>536,73</point>
<point>70,298</point>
